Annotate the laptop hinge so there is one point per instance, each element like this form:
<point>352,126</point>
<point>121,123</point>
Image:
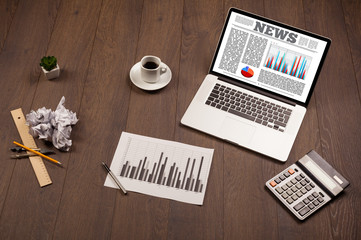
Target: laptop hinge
<point>257,90</point>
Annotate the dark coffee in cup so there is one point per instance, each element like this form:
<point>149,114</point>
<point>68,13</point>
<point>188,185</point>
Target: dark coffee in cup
<point>150,65</point>
<point>151,69</point>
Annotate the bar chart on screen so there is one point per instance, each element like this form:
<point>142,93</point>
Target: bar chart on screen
<point>287,62</point>
<point>162,168</point>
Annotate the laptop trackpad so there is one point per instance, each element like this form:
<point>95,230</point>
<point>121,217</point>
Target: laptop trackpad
<point>236,131</point>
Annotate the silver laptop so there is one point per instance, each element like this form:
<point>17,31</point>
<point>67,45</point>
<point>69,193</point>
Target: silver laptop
<point>259,84</point>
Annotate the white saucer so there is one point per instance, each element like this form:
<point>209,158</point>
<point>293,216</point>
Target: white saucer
<point>137,81</point>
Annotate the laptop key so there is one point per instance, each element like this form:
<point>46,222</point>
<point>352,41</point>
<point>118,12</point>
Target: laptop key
<point>286,119</point>
<point>241,114</point>
<point>213,95</point>
<point>280,124</point>
<point>288,112</point>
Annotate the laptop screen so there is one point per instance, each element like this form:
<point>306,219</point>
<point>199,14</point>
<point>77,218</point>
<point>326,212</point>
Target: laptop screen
<point>269,55</point>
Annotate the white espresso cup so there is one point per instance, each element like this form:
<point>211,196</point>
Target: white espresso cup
<point>151,69</point>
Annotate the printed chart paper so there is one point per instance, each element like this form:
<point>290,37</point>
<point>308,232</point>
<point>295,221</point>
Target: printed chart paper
<point>161,168</point>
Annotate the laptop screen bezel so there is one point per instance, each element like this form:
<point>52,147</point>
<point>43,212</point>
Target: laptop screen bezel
<point>270,93</point>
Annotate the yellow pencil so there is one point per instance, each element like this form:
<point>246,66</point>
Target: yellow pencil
<point>37,153</point>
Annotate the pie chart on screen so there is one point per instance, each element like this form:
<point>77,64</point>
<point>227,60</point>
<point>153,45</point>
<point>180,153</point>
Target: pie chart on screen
<point>247,72</point>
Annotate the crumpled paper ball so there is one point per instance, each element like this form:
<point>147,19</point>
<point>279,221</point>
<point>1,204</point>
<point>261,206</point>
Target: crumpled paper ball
<point>53,126</point>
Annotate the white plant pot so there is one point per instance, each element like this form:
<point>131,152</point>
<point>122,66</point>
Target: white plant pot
<point>53,73</point>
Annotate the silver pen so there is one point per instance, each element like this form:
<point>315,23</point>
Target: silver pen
<point>114,178</point>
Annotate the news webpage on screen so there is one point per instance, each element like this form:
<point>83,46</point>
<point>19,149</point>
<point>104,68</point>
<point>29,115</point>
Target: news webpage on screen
<point>271,57</point>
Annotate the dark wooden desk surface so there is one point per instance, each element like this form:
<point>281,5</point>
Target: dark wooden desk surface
<point>96,43</point>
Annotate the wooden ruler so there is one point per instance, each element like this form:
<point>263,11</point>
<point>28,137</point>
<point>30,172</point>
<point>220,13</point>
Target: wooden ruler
<point>36,161</point>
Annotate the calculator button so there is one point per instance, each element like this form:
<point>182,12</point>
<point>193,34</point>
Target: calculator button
<point>299,194</point>
<point>310,197</point>
<point>304,211</point>
<point>298,186</point>
<point>312,185</point>
<point>282,177</point>
<point>303,182</point>
<point>320,199</point>
<point>285,195</point>
<point>298,178</point>
<point>315,203</point>
<point>291,171</point>
<point>284,187</point>
<point>289,192</point>
<point>311,206</point>
<point>306,201</point>
<point>315,194</point>
<point>277,180</point>
<point>294,189</point>
<point>303,190</point>
<point>302,175</point>
<point>289,200</point>
<point>289,184</point>
<point>293,181</point>
<point>299,206</point>
<point>308,188</point>
<point>294,197</point>
<point>273,183</point>
<point>279,190</point>
<point>307,180</point>
<point>286,174</point>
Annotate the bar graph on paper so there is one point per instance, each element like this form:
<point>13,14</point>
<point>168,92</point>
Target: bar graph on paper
<point>287,62</point>
<point>162,168</point>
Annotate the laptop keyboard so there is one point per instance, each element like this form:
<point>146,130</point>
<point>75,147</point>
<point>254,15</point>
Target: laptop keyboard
<point>250,107</point>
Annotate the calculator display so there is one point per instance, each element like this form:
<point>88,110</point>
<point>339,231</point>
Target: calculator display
<point>324,178</point>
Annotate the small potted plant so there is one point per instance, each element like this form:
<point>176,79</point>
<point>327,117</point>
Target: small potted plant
<point>50,67</point>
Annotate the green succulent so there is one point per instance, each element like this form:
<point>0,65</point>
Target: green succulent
<point>48,63</point>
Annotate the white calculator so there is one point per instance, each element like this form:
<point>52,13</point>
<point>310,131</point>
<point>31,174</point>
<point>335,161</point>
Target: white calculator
<point>307,185</point>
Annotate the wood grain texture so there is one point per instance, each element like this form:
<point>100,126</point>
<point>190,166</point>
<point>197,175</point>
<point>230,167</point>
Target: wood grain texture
<point>202,23</point>
<point>351,10</point>
<point>96,43</point>
<point>7,11</point>
<point>159,35</point>
<point>19,60</point>
<point>339,111</point>
<point>102,112</point>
